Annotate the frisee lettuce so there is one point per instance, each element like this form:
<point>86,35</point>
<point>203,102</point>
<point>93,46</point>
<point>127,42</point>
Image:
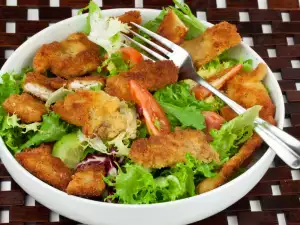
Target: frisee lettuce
<point>15,134</point>
<point>92,8</point>
<point>232,134</point>
<point>11,84</point>
<point>138,185</point>
<point>181,106</point>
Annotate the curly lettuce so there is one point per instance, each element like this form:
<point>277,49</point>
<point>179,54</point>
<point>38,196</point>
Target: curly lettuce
<point>52,129</point>
<point>221,63</point>
<point>138,185</point>
<point>181,106</point>
<point>232,134</point>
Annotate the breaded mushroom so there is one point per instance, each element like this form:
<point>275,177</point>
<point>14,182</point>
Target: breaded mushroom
<point>152,75</point>
<point>44,166</point>
<point>87,181</point>
<point>167,150</point>
<point>131,16</point>
<point>26,107</point>
<point>214,41</point>
<point>172,28</point>
<point>95,111</point>
<point>72,57</point>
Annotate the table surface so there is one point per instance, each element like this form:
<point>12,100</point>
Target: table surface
<point>271,27</point>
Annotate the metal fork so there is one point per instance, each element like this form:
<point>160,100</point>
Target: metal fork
<point>285,146</point>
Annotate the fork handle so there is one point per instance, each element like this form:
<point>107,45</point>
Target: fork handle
<point>284,145</point>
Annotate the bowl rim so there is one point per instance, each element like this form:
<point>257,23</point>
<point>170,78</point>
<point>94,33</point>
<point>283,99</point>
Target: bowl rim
<point>267,155</point>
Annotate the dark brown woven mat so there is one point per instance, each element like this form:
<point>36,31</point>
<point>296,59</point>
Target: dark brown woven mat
<point>274,32</point>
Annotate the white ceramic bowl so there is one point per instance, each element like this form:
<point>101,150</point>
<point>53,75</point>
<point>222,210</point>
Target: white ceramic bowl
<point>94,212</point>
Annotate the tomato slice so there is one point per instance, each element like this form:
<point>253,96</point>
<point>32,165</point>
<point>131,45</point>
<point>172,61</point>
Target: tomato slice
<point>213,121</point>
<point>129,53</point>
<point>156,120</point>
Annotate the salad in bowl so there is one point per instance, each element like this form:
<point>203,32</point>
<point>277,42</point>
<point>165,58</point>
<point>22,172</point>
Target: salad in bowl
<point>96,117</point>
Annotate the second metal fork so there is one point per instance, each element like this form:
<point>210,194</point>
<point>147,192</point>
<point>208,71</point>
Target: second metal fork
<point>285,146</point>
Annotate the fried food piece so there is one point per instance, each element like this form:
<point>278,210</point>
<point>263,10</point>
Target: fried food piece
<point>247,90</point>
<point>85,82</point>
<point>38,85</point>
<point>167,150</point>
<point>230,166</point>
<point>97,112</point>
<point>172,28</point>
<point>44,166</point>
<point>26,107</point>
<point>214,41</point>
<point>87,181</point>
<point>72,57</point>
<point>131,16</point>
<point>152,75</point>
<point>228,113</point>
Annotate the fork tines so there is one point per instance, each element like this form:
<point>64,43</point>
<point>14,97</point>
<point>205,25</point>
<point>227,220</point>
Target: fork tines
<point>165,53</point>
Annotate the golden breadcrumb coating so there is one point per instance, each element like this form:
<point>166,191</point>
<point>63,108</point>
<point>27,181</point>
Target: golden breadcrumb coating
<point>44,166</point>
<point>214,41</point>
<point>72,57</point>
<point>131,16</point>
<point>167,150</point>
<point>95,111</point>
<point>87,182</point>
<point>152,75</point>
<point>26,107</point>
<point>172,28</point>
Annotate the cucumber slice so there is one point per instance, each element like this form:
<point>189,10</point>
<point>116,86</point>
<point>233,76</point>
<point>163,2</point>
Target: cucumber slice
<point>69,149</point>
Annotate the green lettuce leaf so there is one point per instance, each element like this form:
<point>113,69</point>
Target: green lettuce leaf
<point>52,129</point>
<point>137,185</point>
<point>15,134</point>
<point>115,64</point>
<point>11,84</point>
<point>223,62</point>
<point>181,106</point>
<point>92,7</point>
<point>190,21</point>
<point>232,134</point>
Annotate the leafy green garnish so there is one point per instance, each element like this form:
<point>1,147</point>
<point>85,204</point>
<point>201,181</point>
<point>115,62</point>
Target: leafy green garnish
<point>223,62</point>
<point>137,185</point>
<point>115,64</point>
<point>181,106</point>
<point>142,131</point>
<point>92,7</point>
<point>232,134</point>
<point>11,84</point>
<point>187,17</point>
<point>15,134</point>
<point>87,151</point>
<point>97,87</point>
<point>154,24</point>
<point>52,129</point>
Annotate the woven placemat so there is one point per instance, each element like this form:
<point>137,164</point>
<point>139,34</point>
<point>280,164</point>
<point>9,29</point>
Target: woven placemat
<point>271,27</point>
